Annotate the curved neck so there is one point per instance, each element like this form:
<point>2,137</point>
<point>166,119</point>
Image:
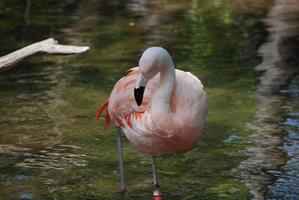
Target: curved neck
<point>162,96</point>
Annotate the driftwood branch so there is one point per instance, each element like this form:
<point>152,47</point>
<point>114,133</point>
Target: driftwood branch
<point>49,46</point>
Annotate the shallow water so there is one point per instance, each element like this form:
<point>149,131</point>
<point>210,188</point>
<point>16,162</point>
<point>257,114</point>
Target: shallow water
<point>287,177</point>
<point>49,148</point>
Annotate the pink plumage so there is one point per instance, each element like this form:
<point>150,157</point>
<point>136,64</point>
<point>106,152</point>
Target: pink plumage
<point>173,111</point>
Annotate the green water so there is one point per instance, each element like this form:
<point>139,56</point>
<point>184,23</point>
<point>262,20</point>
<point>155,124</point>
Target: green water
<point>49,148</point>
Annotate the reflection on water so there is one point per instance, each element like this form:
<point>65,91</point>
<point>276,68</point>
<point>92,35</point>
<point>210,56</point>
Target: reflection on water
<point>58,157</point>
<point>271,138</point>
<point>287,177</point>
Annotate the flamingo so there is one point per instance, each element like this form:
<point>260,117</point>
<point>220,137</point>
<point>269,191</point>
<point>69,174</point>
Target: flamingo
<point>160,109</point>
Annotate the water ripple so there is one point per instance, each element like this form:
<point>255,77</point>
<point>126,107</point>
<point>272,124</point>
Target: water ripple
<point>287,179</point>
<point>58,157</point>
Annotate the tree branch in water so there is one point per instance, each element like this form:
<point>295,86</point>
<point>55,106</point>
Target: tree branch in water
<point>49,46</point>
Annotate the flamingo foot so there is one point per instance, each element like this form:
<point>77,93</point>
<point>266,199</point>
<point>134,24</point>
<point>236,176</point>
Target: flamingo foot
<point>157,193</point>
<point>158,197</point>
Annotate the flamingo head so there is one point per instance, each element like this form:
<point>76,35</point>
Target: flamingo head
<point>152,61</point>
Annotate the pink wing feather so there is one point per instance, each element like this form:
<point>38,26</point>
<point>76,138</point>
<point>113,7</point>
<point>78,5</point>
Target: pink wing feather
<point>121,103</point>
<point>188,108</point>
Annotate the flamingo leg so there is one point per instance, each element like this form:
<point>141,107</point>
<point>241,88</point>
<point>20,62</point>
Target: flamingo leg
<point>157,193</point>
<point>122,188</point>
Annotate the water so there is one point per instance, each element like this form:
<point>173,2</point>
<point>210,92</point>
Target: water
<point>287,177</point>
<point>49,148</point>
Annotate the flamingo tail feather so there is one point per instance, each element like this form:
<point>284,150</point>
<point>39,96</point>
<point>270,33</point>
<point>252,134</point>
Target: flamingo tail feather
<point>101,109</point>
<point>107,120</point>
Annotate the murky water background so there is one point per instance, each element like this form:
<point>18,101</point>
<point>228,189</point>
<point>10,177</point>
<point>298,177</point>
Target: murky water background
<point>287,177</point>
<point>245,52</point>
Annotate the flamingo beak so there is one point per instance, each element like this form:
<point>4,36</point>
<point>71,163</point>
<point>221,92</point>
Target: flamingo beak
<point>138,94</point>
<point>139,89</point>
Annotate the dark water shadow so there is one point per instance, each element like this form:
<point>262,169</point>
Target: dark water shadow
<point>280,60</point>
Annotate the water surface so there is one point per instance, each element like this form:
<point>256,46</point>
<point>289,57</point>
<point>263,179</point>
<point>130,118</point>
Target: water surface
<point>49,148</point>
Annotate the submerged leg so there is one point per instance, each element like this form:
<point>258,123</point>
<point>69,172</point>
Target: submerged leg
<point>156,187</point>
<point>122,188</point>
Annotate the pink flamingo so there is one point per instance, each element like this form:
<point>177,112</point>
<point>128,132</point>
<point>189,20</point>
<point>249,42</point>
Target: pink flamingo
<point>165,118</point>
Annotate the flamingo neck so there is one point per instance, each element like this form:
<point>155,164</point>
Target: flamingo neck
<point>162,96</point>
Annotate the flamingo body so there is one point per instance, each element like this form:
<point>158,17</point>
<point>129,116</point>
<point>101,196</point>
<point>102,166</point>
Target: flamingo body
<point>172,115</point>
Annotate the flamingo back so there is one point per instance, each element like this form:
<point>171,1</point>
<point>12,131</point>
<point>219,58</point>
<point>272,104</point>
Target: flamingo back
<point>155,135</point>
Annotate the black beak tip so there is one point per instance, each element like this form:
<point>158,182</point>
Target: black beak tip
<point>138,94</point>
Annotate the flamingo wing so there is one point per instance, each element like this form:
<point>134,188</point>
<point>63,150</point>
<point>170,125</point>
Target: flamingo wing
<point>122,103</point>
